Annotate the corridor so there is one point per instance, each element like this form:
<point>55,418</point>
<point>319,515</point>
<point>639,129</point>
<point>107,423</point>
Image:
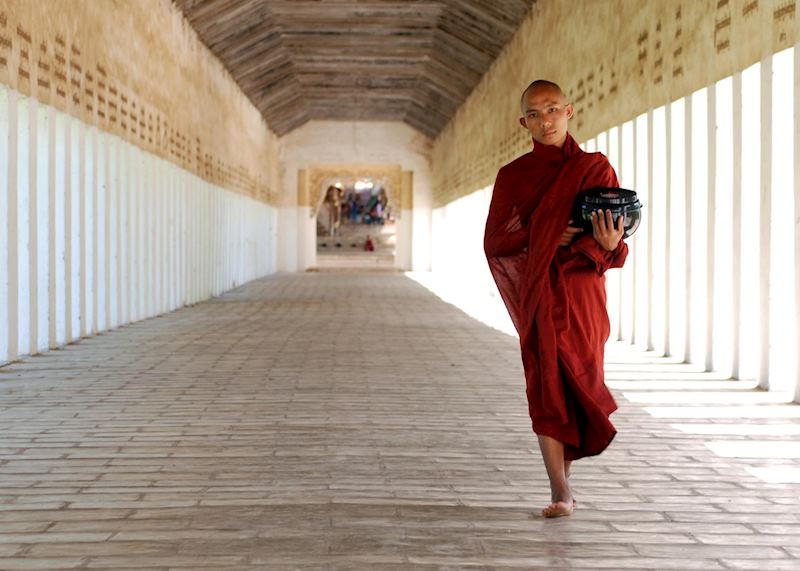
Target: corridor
<point>356,421</point>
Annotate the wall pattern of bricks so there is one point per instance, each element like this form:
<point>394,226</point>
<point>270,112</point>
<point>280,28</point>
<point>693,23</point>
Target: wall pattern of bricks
<point>159,88</point>
<point>616,59</point>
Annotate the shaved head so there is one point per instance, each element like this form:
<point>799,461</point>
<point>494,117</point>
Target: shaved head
<point>536,85</point>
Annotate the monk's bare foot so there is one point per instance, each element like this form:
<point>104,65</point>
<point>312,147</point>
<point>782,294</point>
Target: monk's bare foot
<point>559,509</point>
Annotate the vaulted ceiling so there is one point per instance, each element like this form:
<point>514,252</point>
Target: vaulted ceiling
<point>394,60</point>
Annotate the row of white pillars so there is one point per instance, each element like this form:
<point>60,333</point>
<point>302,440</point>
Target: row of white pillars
<point>714,273</point>
<point>98,233</point>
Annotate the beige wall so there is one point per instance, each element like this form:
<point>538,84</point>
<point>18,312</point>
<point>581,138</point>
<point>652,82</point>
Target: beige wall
<point>615,59</point>
<point>135,68</point>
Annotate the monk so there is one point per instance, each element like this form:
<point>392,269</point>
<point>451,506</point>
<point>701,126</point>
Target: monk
<point>550,275</point>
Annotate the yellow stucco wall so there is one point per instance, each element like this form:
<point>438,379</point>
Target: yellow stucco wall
<point>135,68</point>
<point>615,59</point>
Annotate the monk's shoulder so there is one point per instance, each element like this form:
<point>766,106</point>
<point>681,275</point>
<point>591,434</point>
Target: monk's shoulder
<point>521,163</point>
<point>597,158</point>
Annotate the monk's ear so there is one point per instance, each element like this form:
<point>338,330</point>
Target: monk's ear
<point>570,110</point>
<point>522,122</point>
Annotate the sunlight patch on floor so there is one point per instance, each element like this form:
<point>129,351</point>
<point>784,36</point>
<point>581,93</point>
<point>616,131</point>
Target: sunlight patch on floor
<point>472,297</point>
<point>705,412</point>
<point>754,448</point>
<point>777,474</point>
<point>709,397</point>
<point>739,429</point>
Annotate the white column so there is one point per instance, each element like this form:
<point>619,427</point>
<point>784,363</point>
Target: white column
<point>161,208</point>
<point>105,253</point>
<point>150,235</point>
<point>124,235</point>
<point>710,227</point>
<point>736,221</point>
<point>722,215</point>
<point>90,229</point>
<point>114,286</point>
<point>649,219</point>
<point>797,219</point>
<point>765,223</point>
<point>782,273</point>
<point>82,241</point>
<point>33,226</point>
<point>76,228</point>
<point>668,298</point>
<point>98,252</point>
<point>699,251</point>
<point>66,235</point>
<point>642,142</point>
<point>44,166</point>
<point>23,223</point>
<point>13,225</point>
<point>676,228</point>
<point>135,217</point>
<point>687,201</point>
<point>3,224</point>
<point>626,173</point>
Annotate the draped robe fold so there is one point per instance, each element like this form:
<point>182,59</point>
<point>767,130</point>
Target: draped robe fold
<point>555,295</point>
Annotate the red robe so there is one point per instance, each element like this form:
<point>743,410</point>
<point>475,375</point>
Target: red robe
<point>555,295</point>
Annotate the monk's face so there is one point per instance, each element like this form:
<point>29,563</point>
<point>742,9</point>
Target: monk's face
<point>545,114</point>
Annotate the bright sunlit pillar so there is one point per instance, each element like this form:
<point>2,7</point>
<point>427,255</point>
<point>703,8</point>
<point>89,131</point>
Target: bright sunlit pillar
<point>765,219</point>
<point>687,228</point>
<point>43,174</point>
<point>75,228</point>
<point>12,237</point>
<point>657,235</point>
<point>782,336</point>
<point>627,175</point>
<point>23,223</point>
<point>710,226</point>
<point>5,222</point>
<point>797,220</point>
<point>641,246</point>
<point>667,229</point>
<point>736,223</point>
<point>721,300</point>
<point>699,251</point>
<point>676,227</point>
<point>613,283</point>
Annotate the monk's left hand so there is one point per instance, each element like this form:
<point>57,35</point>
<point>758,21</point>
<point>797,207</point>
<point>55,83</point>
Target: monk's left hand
<point>604,231</point>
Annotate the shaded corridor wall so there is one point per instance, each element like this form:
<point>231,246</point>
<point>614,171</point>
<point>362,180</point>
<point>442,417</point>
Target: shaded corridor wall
<point>136,69</point>
<point>135,177</point>
<point>615,59</point>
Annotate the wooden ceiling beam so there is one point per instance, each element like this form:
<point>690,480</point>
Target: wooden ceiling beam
<point>409,60</point>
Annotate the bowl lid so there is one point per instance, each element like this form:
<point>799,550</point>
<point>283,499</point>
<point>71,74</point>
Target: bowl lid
<point>609,195</point>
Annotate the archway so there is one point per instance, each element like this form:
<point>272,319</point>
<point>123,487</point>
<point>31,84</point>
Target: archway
<point>378,199</point>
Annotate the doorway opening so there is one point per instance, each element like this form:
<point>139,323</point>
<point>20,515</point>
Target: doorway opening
<point>356,225</point>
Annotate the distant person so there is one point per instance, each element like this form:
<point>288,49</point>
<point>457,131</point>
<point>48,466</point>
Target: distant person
<point>369,246</point>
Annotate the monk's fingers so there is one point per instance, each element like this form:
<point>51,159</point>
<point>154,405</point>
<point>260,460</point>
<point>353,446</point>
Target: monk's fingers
<point>599,222</point>
<point>609,221</point>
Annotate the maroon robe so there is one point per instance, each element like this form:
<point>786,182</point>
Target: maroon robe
<point>555,295</point>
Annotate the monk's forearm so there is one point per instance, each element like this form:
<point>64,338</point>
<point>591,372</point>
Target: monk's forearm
<point>598,256</point>
<point>506,245</point>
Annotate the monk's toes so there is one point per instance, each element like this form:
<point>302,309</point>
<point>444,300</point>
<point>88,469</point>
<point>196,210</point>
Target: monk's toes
<point>559,509</point>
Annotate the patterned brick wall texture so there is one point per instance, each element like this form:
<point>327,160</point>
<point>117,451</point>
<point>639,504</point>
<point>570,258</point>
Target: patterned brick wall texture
<point>616,59</point>
<point>136,69</point>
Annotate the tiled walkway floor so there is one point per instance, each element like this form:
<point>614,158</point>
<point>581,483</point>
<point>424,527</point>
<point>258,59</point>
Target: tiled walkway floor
<point>355,421</point>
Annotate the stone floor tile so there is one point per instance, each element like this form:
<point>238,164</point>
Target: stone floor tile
<point>355,421</point>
